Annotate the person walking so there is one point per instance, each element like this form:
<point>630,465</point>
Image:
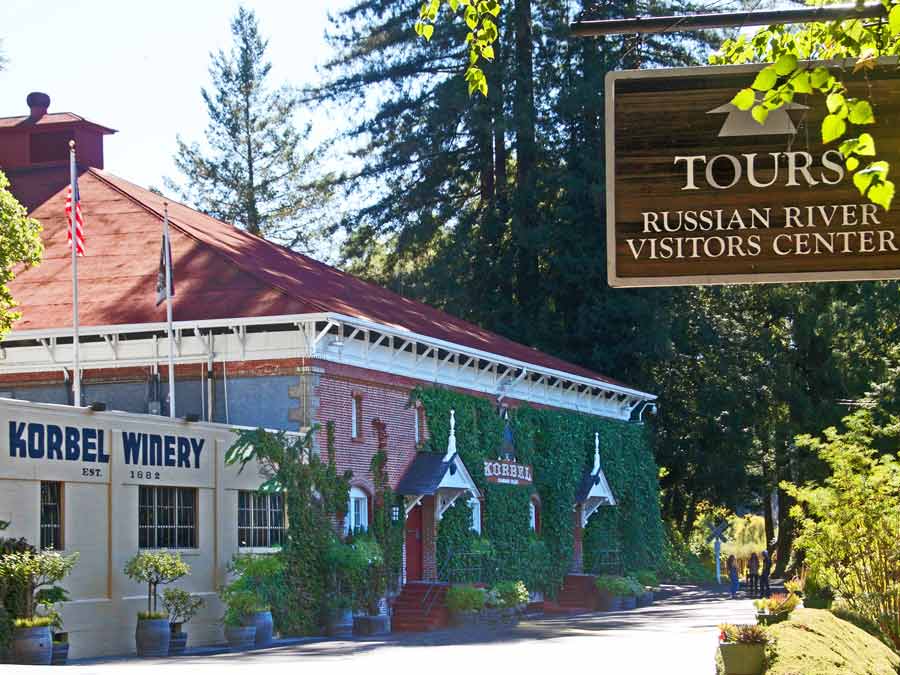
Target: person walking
<point>753,574</point>
<point>764,591</point>
<point>733,576</point>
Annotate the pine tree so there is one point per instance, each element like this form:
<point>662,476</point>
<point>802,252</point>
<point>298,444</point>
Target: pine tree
<point>252,169</point>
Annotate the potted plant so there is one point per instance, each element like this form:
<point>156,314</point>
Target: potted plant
<point>612,591</point>
<point>241,607</point>
<point>48,599</point>
<point>181,607</point>
<point>370,595</point>
<point>647,579</point>
<point>263,576</point>
<point>776,608</point>
<point>152,634</point>
<point>26,573</point>
<point>743,649</point>
<point>633,589</point>
<point>348,573</point>
<point>465,604</point>
<point>505,601</point>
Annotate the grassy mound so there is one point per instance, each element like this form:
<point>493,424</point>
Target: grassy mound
<point>815,642</point>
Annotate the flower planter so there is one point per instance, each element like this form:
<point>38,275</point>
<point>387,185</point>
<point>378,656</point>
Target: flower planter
<point>742,659</point>
<point>60,653</point>
<point>500,616</point>
<point>629,602</point>
<point>765,619</point>
<point>241,638</point>
<point>606,602</point>
<point>645,600</point>
<point>379,624</point>
<point>32,646</point>
<point>177,639</point>
<point>339,623</point>
<point>152,637</point>
<point>465,619</point>
<point>264,628</point>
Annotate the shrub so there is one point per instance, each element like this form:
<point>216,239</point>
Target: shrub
<point>646,577</point>
<point>262,575</point>
<point>34,622</point>
<point>614,585</point>
<point>465,599</point>
<point>154,568</point>
<point>745,634</point>
<point>509,594</point>
<point>816,595</point>
<point>846,613</point>
<point>180,605</point>
<point>152,616</point>
<point>240,605</point>
<point>777,603</point>
<point>635,587</point>
<point>32,572</point>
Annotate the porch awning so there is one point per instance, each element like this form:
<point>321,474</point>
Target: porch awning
<point>594,490</point>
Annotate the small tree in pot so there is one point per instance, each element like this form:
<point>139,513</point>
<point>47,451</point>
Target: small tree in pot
<point>28,573</point>
<point>181,607</point>
<point>370,593</point>
<point>47,600</point>
<point>264,577</point>
<point>154,568</point>
<point>241,608</point>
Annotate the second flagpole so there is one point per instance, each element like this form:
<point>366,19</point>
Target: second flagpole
<point>168,258</point>
<point>76,342</point>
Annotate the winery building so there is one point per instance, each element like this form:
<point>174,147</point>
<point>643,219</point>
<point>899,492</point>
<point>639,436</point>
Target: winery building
<point>264,337</point>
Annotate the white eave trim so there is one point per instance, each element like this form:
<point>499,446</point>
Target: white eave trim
<point>519,379</point>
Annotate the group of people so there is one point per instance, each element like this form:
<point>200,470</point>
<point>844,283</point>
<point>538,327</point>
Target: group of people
<point>757,579</point>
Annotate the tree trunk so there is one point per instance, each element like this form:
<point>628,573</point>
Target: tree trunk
<point>250,197</point>
<point>770,523</point>
<point>785,534</point>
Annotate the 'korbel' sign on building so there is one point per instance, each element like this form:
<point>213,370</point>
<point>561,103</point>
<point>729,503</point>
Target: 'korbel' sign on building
<point>699,193</point>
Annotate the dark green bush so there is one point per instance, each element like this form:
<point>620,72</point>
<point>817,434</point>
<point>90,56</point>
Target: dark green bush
<point>465,599</point>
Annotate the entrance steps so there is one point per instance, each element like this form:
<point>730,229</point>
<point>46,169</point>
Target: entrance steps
<point>420,607</point>
<point>578,594</point>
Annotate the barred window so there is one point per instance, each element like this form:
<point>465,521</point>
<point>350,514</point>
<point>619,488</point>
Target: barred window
<point>167,517</point>
<point>260,519</point>
<point>51,516</point>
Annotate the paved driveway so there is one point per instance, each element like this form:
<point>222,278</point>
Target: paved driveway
<point>675,636</point>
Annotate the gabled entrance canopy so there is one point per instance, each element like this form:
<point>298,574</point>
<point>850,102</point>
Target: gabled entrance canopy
<point>594,490</point>
<point>444,476</point>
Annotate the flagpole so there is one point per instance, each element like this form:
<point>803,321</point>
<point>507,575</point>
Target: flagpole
<point>168,257</point>
<point>76,365</point>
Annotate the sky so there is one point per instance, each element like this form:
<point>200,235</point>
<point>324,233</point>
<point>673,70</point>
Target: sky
<point>138,67</point>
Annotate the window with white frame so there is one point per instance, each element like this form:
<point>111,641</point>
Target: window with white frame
<point>357,512</point>
<point>475,507</point>
<point>419,424</point>
<point>356,417</point>
<point>167,517</point>
<point>260,519</point>
<point>534,515</point>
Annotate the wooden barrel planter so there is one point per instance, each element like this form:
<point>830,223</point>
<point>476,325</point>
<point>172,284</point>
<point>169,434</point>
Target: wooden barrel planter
<point>152,637</point>
<point>264,628</point>
<point>32,646</point>
<point>60,652</point>
<point>629,602</point>
<point>339,623</point>
<point>177,640</point>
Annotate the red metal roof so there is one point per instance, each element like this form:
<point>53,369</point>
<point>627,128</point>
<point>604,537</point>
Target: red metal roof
<point>221,272</point>
<point>46,119</point>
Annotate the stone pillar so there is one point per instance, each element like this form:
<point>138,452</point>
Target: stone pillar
<point>306,393</point>
<point>577,566</point>
<point>429,539</point>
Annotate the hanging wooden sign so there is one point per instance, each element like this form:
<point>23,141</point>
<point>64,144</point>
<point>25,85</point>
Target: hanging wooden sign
<point>699,193</point>
<point>507,472</point>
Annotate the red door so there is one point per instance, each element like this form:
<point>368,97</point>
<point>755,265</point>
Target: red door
<point>414,544</point>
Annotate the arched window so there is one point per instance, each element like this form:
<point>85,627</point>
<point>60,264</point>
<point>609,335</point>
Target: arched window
<point>534,514</point>
<point>419,424</point>
<point>475,506</point>
<point>357,512</point>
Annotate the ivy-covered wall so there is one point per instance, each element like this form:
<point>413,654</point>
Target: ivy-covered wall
<point>560,447</point>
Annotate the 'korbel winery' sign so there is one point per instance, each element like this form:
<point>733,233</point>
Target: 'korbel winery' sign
<point>699,193</point>
<point>507,472</point>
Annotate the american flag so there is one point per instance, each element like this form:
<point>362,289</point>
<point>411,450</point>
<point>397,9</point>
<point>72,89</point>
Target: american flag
<point>79,221</point>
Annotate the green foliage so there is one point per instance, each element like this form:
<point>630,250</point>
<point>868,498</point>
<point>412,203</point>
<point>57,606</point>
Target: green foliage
<point>507,594</point>
<point>152,616</point>
<point>816,595</point>
<point>850,522</point>
<point>465,599</point>
<point>746,535</point>
<point>34,622</point>
<point>313,492</point>
<point>387,533</point>
<point>680,564</point>
<point>33,571</point>
<point>369,559</point>
<point>262,575</point>
<point>252,169</point>
<point>616,586</point>
<point>240,606</point>
<point>480,17</point>
<point>646,578</point>
<point>180,606</point>
<point>559,445</point>
<point>857,41</point>
<point>154,568</point>
<point>20,243</point>
<point>745,634</point>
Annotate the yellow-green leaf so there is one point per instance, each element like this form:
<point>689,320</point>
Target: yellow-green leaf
<point>833,127</point>
<point>454,4</point>
<point>427,31</point>
<point>801,83</point>
<point>819,77</point>
<point>882,194</point>
<point>865,145</point>
<point>786,64</point>
<point>765,79</point>
<point>835,102</point>
<point>852,164</point>
<point>861,113</point>
<point>744,99</point>
<point>894,20</point>
<point>487,52</point>
<point>760,114</point>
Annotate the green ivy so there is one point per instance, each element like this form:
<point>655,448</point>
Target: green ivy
<point>560,447</point>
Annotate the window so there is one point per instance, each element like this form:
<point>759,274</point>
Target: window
<point>51,516</point>
<point>419,424</point>
<point>356,417</point>
<point>357,511</point>
<point>260,519</point>
<point>534,515</point>
<point>167,517</point>
<point>475,506</point>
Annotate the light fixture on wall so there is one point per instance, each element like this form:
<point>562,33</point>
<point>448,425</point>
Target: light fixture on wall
<point>97,406</point>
